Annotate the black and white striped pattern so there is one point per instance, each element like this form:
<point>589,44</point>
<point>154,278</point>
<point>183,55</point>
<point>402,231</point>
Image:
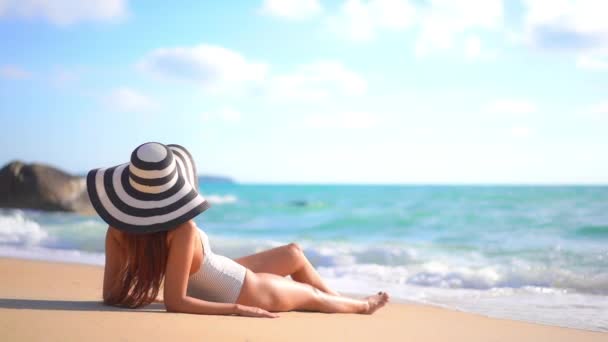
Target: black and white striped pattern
<point>156,191</point>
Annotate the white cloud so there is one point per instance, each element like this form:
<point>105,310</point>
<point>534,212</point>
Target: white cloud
<point>578,27</point>
<point>442,21</point>
<point>569,25</point>
<point>440,24</point>
<point>228,114</point>
<point>214,68</point>
<point>291,9</point>
<point>597,110</point>
<point>317,81</point>
<point>217,69</point>
<point>64,12</point>
<point>601,108</point>
<point>345,120</point>
<point>587,18</point>
<point>597,61</point>
<point>14,72</point>
<point>472,47</point>
<point>359,20</point>
<point>510,106</point>
<point>124,99</point>
<point>521,131</point>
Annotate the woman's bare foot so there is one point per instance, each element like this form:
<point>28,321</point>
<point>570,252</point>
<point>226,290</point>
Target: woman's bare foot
<point>375,302</point>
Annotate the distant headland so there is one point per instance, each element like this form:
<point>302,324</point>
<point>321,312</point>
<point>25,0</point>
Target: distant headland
<point>45,187</point>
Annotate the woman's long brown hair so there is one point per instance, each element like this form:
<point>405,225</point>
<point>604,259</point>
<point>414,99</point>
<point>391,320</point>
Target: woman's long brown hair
<point>143,270</point>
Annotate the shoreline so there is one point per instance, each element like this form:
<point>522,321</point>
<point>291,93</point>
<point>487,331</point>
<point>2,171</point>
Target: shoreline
<point>42,300</point>
<point>92,259</point>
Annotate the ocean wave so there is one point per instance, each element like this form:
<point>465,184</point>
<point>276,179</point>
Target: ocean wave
<point>221,199</point>
<point>339,255</point>
<point>50,254</point>
<point>391,264</point>
<point>594,232</point>
<point>438,275</point>
<point>411,266</point>
<point>16,229</point>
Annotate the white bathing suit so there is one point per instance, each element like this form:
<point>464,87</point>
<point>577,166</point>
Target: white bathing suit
<point>219,279</point>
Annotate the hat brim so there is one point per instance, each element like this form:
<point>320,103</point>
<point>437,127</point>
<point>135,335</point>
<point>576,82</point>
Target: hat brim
<point>124,208</point>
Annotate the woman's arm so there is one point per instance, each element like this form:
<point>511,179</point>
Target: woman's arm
<point>177,273</point>
<point>114,255</point>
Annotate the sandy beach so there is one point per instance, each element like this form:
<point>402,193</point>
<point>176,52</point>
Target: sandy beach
<point>42,301</point>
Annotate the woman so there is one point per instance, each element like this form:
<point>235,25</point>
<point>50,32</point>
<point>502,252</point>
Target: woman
<point>149,204</point>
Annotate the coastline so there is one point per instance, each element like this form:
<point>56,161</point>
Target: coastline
<point>42,300</point>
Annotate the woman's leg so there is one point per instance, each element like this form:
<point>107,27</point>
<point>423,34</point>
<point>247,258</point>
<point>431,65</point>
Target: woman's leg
<point>288,260</point>
<point>275,293</point>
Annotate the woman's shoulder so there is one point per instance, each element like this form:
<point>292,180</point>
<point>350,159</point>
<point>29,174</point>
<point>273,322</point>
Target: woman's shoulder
<point>185,231</point>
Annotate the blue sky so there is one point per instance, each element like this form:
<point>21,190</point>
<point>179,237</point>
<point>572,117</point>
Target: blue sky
<point>306,91</point>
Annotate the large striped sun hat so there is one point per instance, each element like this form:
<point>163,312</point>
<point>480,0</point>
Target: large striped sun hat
<point>156,191</point>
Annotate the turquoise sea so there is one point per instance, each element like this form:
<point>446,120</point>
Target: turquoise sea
<point>534,253</point>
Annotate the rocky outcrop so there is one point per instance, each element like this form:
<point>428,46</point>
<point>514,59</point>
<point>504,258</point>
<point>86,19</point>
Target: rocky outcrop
<point>38,186</point>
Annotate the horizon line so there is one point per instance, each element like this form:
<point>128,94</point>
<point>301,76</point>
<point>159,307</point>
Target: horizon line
<point>515,184</point>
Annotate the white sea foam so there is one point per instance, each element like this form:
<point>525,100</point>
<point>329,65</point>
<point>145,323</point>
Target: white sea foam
<point>50,254</point>
<point>510,287</point>
<point>392,264</point>
<point>535,304</point>
<point>402,265</point>
<point>221,199</point>
<point>16,229</point>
